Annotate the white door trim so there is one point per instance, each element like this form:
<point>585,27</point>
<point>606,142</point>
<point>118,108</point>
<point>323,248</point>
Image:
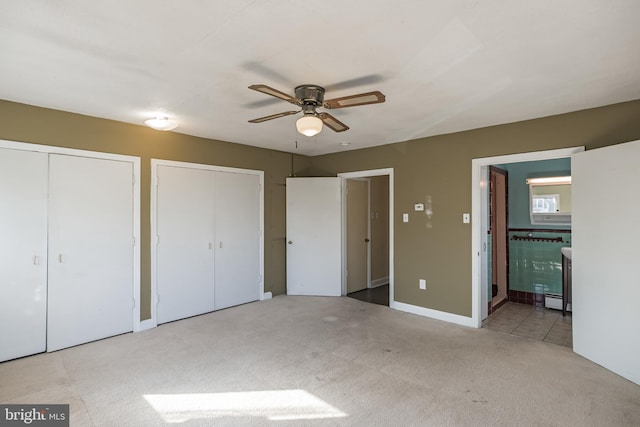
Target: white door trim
<point>367,174</point>
<point>51,149</point>
<point>479,216</point>
<point>153,321</point>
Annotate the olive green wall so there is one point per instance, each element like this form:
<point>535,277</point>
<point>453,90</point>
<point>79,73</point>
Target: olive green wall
<point>439,167</point>
<point>24,123</point>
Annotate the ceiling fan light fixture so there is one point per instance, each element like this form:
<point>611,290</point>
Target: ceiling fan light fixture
<point>161,123</point>
<point>309,125</point>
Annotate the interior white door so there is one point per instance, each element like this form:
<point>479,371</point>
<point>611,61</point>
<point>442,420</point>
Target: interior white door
<point>185,245</point>
<point>90,250</point>
<point>485,288</point>
<point>357,234</point>
<point>314,242</point>
<point>23,253</point>
<point>605,233</point>
<point>237,227</point>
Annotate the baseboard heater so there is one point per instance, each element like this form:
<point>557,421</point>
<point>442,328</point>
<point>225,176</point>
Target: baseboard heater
<point>554,301</point>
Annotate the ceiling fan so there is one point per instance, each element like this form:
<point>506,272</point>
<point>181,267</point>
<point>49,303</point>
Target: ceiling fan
<point>310,97</point>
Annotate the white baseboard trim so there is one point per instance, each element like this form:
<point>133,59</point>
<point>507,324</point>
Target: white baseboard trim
<point>144,325</point>
<point>266,295</point>
<point>434,314</point>
<point>379,282</point>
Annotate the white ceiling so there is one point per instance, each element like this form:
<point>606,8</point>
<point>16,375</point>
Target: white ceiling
<point>444,65</point>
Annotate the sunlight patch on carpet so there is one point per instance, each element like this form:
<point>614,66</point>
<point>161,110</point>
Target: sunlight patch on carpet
<point>270,404</point>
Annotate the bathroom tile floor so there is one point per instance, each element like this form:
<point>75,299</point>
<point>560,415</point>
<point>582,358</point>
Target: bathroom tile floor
<point>532,322</point>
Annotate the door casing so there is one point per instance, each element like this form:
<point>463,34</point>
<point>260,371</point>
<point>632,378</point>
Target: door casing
<point>479,221</point>
<point>367,174</point>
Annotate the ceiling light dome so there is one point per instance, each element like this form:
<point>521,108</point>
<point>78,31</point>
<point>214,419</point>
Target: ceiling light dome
<point>309,125</point>
<point>161,123</point>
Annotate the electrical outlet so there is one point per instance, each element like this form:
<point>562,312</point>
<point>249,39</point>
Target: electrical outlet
<point>423,284</point>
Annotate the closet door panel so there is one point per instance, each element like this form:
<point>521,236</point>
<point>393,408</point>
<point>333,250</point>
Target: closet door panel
<point>237,255</point>
<point>185,221</point>
<point>90,250</point>
<point>23,253</point>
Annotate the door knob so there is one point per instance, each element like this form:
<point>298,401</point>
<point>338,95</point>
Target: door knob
<point>290,242</point>
<point>366,240</point>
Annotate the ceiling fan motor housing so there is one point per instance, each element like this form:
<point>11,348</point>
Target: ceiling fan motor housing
<point>310,95</point>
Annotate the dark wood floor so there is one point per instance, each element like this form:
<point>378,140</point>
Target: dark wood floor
<point>378,295</point>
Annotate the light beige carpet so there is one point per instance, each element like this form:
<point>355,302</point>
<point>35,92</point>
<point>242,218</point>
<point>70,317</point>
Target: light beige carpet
<point>322,361</point>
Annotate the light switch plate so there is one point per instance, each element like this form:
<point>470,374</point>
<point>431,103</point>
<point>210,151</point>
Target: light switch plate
<point>418,207</point>
<point>466,218</point>
<point>405,217</point>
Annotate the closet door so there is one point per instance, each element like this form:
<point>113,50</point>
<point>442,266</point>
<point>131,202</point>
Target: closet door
<point>23,253</point>
<point>185,222</point>
<point>237,228</point>
<point>90,250</point>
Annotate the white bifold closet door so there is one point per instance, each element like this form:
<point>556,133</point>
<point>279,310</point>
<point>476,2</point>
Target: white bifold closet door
<point>90,250</point>
<point>185,247</point>
<point>23,253</point>
<point>237,216</point>
<point>208,237</point>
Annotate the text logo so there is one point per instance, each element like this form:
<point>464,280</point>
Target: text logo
<point>34,415</point>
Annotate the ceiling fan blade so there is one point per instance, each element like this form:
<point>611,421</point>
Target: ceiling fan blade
<point>275,92</point>
<point>273,116</point>
<point>374,97</point>
<point>358,81</point>
<point>332,123</point>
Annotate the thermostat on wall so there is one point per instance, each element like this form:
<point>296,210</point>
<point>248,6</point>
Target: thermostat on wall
<point>418,207</point>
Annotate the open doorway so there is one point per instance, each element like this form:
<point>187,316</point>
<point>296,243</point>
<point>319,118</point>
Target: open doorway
<point>368,239</point>
<point>481,289</point>
<point>368,235</point>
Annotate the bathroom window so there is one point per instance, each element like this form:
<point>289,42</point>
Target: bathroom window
<point>545,203</point>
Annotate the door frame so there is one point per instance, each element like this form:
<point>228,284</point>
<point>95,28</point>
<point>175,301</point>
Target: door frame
<point>153,321</point>
<point>367,174</point>
<point>479,220</point>
<point>52,149</point>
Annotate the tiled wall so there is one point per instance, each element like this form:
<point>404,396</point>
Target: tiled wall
<point>536,266</point>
